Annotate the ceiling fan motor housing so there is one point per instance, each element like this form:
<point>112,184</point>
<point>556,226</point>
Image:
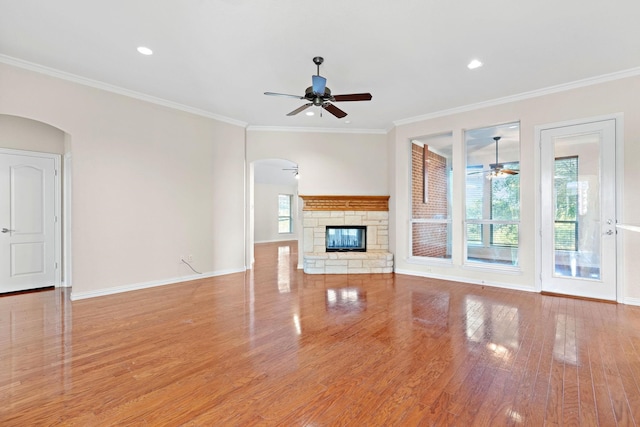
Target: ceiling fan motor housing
<point>311,96</point>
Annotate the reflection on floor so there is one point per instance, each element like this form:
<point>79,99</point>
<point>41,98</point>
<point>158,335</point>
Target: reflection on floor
<point>276,347</point>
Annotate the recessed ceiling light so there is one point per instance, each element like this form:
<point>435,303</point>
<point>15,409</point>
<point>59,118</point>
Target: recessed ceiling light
<point>474,64</point>
<point>310,113</point>
<point>145,50</point>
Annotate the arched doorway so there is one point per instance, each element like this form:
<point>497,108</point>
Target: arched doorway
<point>274,210</point>
<point>33,149</point>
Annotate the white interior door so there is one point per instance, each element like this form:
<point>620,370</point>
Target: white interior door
<point>28,251</point>
<point>578,196</point>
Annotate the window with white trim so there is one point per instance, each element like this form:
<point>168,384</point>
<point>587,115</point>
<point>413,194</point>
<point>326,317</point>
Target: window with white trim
<point>492,195</point>
<point>431,181</point>
<point>285,218</point>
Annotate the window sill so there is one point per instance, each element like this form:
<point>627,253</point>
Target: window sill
<point>436,262</point>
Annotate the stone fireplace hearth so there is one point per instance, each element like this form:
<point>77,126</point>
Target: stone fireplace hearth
<point>370,211</point>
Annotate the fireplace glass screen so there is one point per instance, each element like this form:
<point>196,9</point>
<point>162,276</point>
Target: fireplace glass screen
<point>346,238</point>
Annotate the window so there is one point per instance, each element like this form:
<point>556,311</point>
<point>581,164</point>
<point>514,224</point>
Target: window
<point>567,209</point>
<point>492,194</point>
<point>431,196</point>
<point>285,220</point>
<point>505,205</point>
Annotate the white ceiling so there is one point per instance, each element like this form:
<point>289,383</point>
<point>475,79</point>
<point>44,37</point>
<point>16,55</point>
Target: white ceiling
<point>219,56</point>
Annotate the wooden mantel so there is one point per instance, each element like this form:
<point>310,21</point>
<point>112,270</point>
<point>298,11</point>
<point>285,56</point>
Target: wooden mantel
<point>345,203</point>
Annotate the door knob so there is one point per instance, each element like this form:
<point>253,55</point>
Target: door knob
<point>6,230</point>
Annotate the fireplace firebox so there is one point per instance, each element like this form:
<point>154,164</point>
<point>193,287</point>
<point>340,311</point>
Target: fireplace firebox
<point>346,238</point>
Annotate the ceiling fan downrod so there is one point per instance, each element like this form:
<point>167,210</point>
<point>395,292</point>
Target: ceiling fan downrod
<point>318,60</point>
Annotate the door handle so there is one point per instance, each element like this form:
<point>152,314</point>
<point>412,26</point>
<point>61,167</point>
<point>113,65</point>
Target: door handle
<point>6,230</point>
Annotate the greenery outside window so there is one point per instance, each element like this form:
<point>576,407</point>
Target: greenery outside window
<point>285,219</point>
<point>492,195</point>
<point>567,203</point>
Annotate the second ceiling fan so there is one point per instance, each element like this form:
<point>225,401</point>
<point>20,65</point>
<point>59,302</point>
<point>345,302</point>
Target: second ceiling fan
<point>496,170</point>
<point>319,95</point>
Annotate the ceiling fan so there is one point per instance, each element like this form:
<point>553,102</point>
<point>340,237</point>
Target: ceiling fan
<point>319,95</point>
<point>497,170</point>
<point>294,170</point>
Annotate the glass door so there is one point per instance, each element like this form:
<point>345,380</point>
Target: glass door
<point>578,210</point>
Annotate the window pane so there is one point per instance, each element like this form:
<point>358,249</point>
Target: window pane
<point>504,234</point>
<point>566,193</point>
<point>504,251</point>
<point>474,234</point>
<point>492,193</point>
<point>284,205</point>
<point>285,220</point>
<point>431,240</point>
<point>475,192</point>
<point>505,198</point>
<point>431,180</point>
<point>431,169</point>
<point>284,225</point>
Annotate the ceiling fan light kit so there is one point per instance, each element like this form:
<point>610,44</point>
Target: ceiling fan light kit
<point>497,169</point>
<point>319,95</point>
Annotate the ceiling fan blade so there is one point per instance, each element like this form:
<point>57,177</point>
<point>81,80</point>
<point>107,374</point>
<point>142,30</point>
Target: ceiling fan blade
<point>319,83</point>
<point>509,171</point>
<point>284,94</point>
<point>334,110</point>
<point>299,109</point>
<point>352,97</point>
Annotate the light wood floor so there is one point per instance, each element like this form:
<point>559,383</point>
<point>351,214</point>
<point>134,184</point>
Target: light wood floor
<point>277,347</point>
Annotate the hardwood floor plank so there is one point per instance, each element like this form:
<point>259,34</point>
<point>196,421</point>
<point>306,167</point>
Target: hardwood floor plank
<point>615,383</point>
<point>588,412</point>
<point>274,346</point>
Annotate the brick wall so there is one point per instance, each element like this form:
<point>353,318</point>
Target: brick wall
<point>429,240</point>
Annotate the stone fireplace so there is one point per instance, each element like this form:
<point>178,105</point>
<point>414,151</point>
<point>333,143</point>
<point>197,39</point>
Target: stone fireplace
<point>350,212</point>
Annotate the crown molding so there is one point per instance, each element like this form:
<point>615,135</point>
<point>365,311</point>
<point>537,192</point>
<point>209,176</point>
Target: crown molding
<point>632,72</point>
<point>314,130</point>
<point>181,107</point>
<point>115,89</point>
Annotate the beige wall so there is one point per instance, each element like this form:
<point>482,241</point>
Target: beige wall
<point>266,213</point>
<point>619,96</point>
<point>149,183</point>
<point>329,163</point>
<point>23,134</point>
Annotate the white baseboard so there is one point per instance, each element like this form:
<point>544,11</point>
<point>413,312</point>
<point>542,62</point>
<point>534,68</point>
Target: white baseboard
<point>627,301</point>
<point>288,239</point>
<point>632,301</point>
<point>469,281</point>
<point>152,284</point>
